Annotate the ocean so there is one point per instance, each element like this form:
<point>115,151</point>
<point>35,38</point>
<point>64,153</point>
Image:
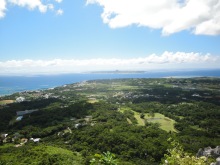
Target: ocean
<point>13,84</point>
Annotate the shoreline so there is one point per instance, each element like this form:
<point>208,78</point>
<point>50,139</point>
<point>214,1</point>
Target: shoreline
<point>16,84</point>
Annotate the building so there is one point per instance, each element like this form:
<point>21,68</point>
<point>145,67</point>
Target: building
<point>19,118</point>
<point>36,140</point>
<point>21,113</point>
<point>20,99</point>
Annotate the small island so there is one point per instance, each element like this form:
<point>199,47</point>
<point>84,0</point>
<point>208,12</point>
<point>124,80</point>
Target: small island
<point>118,72</point>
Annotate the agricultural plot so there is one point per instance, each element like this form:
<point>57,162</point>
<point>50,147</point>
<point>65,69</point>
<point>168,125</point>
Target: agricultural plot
<point>4,102</point>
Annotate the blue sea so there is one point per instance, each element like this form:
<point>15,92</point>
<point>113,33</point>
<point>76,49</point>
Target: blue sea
<point>13,84</point>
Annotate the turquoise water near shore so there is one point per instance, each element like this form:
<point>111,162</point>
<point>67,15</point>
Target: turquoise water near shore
<point>13,84</point>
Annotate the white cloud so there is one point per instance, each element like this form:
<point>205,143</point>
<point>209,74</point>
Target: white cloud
<point>58,1</point>
<point>30,4</point>
<point>199,16</point>
<point>59,12</point>
<point>2,8</point>
<point>167,60</point>
<point>42,6</point>
<point>50,6</point>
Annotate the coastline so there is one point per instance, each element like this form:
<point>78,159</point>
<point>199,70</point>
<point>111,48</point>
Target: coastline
<point>13,84</point>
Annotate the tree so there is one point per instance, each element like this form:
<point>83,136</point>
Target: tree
<point>142,115</point>
<point>152,114</point>
<point>107,158</point>
<point>176,156</point>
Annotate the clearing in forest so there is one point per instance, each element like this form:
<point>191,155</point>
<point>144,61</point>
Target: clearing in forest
<point>166,123</point>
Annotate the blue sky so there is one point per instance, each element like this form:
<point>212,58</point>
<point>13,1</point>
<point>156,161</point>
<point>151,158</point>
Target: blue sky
<point>47,36</point>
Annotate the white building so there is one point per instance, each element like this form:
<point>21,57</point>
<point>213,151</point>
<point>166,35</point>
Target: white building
<point>20,99</point>
<point>36,140</point>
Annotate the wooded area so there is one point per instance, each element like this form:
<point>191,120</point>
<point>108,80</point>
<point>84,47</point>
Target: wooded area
<point>71,129</point>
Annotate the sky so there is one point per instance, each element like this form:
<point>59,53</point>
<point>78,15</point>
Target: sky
<point>68,36</point>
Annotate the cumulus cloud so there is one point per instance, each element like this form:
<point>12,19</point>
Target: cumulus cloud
<point>50,6</point>
<point>2,8</point>
<point>30,4</point>
<point>59,12</point>
<point>178,60</point>
<point>198,16</point>
<point>58,1</point>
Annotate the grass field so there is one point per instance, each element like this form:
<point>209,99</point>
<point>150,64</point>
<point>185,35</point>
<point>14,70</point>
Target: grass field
<point>136,115</point>
<point>92,101</point>
<point>140,120</point>
<point>166,123</point>
<point>129,121</point>
<point>4,102</point>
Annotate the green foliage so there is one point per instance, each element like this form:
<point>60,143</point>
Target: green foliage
<point>107,158</point>
<point>130,115</point>
<point>38,154</point>
<point>137,143</point>
<point>142,115</point>
<point>177,156</point>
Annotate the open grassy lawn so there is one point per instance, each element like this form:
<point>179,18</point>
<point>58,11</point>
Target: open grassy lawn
<point>3,102</point>
<point>141,121</point>
<point>92,101</point>
<point>136,115</point>
<point>166,123</point>
<point>129,121</point>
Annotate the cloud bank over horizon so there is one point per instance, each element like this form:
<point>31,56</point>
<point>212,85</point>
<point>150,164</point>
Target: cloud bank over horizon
<point>167,60</point>
<point>201,17</point>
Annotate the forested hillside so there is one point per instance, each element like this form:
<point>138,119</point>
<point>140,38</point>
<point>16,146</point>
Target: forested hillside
<point>131,118</point>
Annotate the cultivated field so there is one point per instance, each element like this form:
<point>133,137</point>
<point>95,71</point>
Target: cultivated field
<point>4,102</point>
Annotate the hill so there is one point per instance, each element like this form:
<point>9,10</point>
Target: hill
<point>132,118</point>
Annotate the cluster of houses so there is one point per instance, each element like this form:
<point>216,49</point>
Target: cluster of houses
<point>17,139</point>
<point>28,95</point>
<point>3,138</point>
<point>83,122</point>
<point>130,95</point>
